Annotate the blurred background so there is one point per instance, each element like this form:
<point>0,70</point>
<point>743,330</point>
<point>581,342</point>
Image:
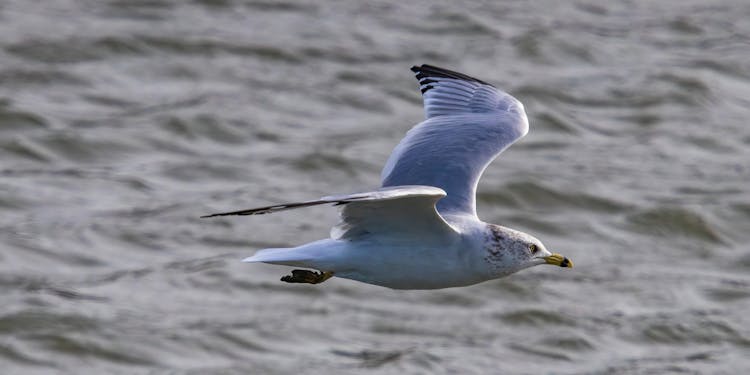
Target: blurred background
<point>121,122</point>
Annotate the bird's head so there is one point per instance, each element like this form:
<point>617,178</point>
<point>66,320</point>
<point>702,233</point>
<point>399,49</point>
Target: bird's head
<point>510,251</point>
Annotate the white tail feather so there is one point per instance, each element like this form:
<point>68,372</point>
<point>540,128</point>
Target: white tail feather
<point>312,255</point>
<point>283,256</point>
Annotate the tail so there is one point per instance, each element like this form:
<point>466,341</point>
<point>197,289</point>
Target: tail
<point>312,255</point>
<point>289,256</point>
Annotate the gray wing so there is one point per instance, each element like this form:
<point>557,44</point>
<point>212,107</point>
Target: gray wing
<point>469,123</point>
<point>399,211</point>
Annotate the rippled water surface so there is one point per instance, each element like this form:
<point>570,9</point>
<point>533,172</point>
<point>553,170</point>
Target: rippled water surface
<point>123,121</point>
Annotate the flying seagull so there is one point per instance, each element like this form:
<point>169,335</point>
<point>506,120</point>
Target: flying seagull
<point>420,229</point>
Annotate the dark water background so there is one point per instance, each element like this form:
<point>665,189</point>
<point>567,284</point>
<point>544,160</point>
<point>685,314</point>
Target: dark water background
<point>123,121</point>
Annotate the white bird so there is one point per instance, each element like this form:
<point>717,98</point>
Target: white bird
<point>420,230</point>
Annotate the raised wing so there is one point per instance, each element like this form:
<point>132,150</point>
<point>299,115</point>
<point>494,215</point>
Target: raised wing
<point>469,123</point>
<point>399,210</point>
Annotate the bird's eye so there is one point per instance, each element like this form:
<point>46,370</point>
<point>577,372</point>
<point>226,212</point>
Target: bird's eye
<point>533,248</point>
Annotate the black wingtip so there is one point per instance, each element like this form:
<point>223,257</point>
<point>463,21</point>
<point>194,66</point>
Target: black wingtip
<point>430,71</point>
<point>233,213</point>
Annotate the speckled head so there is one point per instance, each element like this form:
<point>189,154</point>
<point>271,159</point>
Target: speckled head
<point>510,251</point>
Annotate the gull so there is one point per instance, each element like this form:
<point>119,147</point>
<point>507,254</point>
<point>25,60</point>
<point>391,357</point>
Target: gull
<point>420,229</point>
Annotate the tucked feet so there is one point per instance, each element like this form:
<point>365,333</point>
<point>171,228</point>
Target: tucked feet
<point>307,277</point>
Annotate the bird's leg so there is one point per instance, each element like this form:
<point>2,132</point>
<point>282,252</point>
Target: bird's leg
<point>307,277</point>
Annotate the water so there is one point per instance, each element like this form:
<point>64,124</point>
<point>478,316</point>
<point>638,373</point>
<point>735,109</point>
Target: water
<point>123,121</point>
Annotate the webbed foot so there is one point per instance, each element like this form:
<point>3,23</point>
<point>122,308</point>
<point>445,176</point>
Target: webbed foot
<point>307,277</point>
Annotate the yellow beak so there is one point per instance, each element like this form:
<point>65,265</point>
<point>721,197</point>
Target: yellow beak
<point>558,260</point>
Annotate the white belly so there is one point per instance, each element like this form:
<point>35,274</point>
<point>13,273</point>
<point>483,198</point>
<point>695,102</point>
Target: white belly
<point>407,267</point>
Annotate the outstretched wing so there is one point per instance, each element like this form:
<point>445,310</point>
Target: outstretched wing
<point>396,211</point>
<point>469,123</point>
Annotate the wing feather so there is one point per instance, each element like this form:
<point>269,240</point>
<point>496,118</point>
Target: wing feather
<point>469,122</point>
<point>393,212</point>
